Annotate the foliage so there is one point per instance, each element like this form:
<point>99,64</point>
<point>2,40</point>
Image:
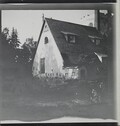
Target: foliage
<point>29,48</point>
<point>11,51</point>
<point>107,29</point>
<point>7,52</point>
<point>14,41</point>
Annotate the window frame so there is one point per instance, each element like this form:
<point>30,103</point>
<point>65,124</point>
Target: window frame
<point>42,65</point>
<point>71,40</point>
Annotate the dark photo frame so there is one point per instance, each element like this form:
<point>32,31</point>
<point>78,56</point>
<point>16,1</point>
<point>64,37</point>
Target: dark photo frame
<point>28,98</point>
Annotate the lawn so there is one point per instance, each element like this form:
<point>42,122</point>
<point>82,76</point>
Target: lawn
<point>25,98</point>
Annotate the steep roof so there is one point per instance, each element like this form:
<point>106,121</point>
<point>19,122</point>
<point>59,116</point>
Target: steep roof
<point>58,27</point>
<point>71,51</point>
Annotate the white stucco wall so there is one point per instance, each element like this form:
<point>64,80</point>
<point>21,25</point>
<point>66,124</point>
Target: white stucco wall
<point>53,58</point>
<point>49,51</point>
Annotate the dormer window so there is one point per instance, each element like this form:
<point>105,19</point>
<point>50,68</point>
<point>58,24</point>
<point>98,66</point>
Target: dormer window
<point>95,40</point>
<point>71,38</point>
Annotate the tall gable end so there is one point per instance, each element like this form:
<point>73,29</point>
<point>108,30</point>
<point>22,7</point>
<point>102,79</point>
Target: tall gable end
<point>47,50</point>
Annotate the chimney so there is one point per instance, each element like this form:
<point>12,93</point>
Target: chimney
<point>97,19</point>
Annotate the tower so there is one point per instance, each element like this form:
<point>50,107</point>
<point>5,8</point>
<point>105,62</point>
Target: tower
<point>97,19</point>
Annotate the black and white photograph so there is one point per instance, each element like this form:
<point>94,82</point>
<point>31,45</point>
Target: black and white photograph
<point>57,65</point>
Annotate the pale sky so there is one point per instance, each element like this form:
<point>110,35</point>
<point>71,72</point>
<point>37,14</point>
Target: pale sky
<point>28,22</point>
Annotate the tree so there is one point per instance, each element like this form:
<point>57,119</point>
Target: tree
<point>5,32</point>
<point>29,48</point>
<point>5,36</point>
<point>7,53</point>
<point>14,41</point>
<point>107,29</point>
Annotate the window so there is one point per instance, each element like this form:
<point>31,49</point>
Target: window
<point>45,28</point>
<point>46,40</point>
<point>95,40</point>
<point>71,38</point>
<point>73,72</point>
<point>42,65</point>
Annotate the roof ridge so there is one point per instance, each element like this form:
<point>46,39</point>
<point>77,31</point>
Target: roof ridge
<point>70,23</point>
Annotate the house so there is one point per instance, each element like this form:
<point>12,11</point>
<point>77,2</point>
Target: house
<point>68,50</point>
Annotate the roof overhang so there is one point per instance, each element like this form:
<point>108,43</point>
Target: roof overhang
<point>100,56</point>
<point>94,37</point>
<point>70,33</point>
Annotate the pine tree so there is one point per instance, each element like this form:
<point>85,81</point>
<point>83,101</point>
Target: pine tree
<point>14,41</point>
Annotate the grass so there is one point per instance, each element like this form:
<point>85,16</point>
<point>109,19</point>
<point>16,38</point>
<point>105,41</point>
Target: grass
<point>25,98</point>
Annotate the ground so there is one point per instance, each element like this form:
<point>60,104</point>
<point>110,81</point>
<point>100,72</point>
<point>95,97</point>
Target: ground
<point>25,98</point>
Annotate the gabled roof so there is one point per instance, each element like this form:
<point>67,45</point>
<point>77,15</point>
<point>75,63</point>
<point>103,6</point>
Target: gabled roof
<point>58,28</point>
<point>70,52</point>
